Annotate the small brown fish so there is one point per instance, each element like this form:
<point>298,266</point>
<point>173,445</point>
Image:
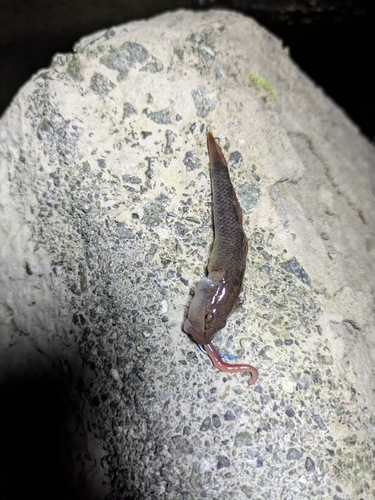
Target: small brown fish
<point>218,294</point>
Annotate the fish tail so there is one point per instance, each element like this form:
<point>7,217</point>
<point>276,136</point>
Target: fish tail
<point>214,151</point>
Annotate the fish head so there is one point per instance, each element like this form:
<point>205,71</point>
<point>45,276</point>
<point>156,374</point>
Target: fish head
<point>205,316</point>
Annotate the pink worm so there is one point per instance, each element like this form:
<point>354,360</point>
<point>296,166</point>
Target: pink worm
<point>227,367</point>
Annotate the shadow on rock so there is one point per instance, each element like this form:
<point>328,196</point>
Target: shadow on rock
<point>38,454</point>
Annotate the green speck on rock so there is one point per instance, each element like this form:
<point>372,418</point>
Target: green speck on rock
<point>260,83</point>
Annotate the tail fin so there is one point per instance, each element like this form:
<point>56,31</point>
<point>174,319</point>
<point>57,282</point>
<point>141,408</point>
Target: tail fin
<point>214,150</point>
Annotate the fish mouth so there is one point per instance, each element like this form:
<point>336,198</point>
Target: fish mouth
<point>198,337</point>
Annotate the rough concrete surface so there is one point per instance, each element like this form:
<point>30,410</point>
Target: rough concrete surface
<point>105,227</point>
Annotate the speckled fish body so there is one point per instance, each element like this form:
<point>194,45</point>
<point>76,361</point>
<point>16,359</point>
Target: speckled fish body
<point>217,295</point>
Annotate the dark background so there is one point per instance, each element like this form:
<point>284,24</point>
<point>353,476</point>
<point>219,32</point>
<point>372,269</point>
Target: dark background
<point>331,40</point>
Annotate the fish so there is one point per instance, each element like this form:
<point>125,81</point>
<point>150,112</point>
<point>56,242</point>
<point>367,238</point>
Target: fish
<point>218,294</point>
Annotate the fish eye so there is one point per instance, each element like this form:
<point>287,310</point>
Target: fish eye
<point>209,317</point>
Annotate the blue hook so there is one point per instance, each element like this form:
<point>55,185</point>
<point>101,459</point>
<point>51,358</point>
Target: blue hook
<point>223,356</point>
